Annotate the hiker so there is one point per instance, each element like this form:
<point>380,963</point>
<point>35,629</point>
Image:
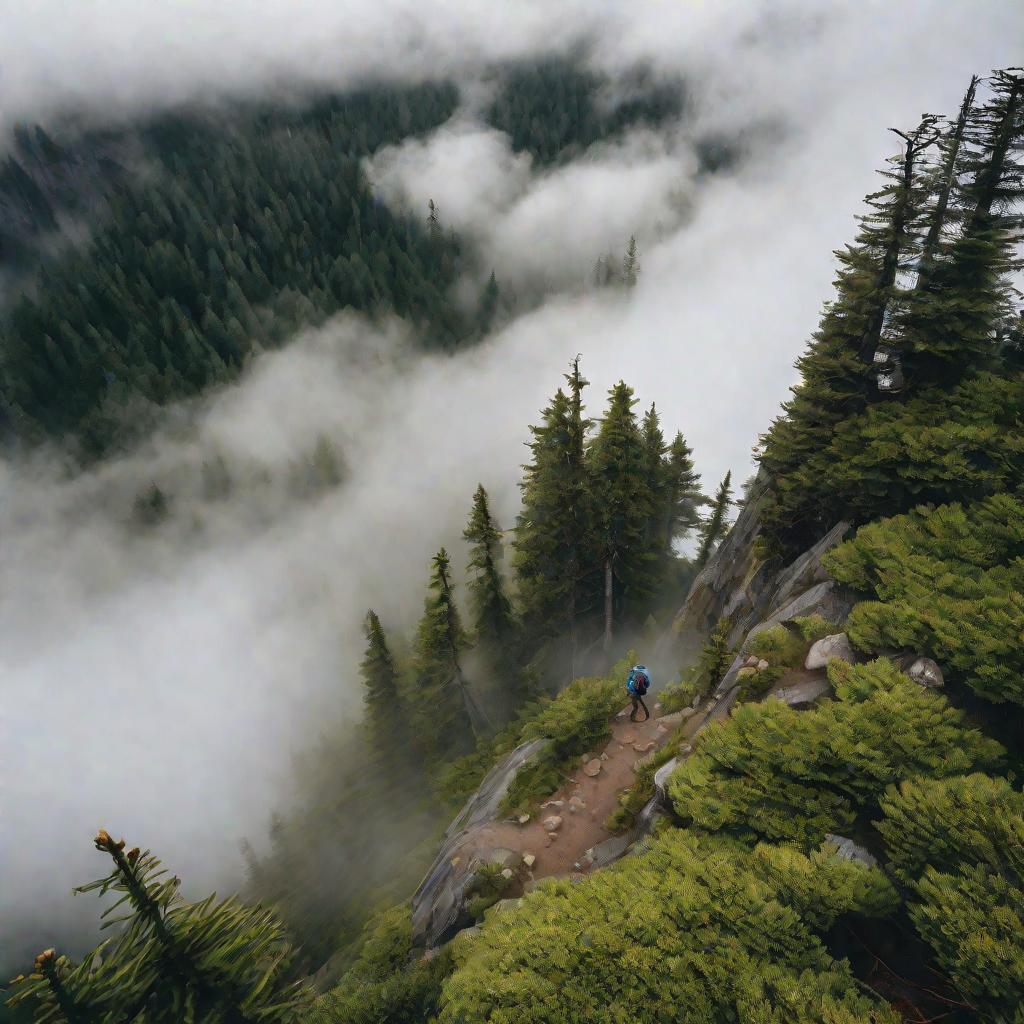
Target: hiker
<point>638,683</point>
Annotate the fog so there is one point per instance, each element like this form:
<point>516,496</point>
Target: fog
<point>158,684</point>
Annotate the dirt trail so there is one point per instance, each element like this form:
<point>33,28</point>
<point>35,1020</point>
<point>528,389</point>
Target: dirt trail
<point>558,853</point>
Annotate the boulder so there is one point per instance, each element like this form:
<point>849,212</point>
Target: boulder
<point>523,819</point>
<point>827,649</point>
<point>552,823</point>
<point>576,804</point>
<point>751,662</point>
<point>762,665</point>
<point>507,874</point>
<point>804,693</point>
<point>529,860</point>
<point>643,748</point>
<point>926,672</point>
<point>553,803</point>
<point>847,849</point>
<point>592,768</point>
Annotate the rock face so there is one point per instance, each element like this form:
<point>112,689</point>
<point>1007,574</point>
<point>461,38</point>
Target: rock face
<point>439,905</point>
<point>735,582</point>
<point>827,649</point>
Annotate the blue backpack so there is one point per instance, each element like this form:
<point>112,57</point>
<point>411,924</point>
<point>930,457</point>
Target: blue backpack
<point>638,682</point>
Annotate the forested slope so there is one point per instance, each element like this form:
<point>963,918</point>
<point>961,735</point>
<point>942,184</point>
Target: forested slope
<point>211,234</point>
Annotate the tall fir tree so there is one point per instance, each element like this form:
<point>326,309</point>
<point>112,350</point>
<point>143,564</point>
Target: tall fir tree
<point>660,492</point>
<point>631,264</point>
<point>554,533</point>
<point>716,525</point>
<point>623,506</point>
<point>683,493</point>
<point>494,621</point>
<point>390,736</point>
<point>837,381</point>
<point>949,323</point>
<point>488,305</point>
<point>446,714</point>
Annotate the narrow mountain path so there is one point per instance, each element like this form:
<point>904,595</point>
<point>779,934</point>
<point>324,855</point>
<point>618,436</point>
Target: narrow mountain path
<point>584,802</point>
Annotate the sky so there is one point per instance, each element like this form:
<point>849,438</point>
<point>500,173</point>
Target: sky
<point>161,686</point>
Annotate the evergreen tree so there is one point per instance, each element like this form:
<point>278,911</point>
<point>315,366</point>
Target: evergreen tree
<point>683,494</point>
<point>656,473</point>
<point>949,322</point>
<point>445,711</point>
<point>716,524</point>
<point>554,533</point>
<point>715,657</point>
<point>623,508</point>
<point>493,621</point>
<point>835,369</point>
<point>390,738</point>
<point>171,960</point>
<point>631,264</point>
<point>488,305</point>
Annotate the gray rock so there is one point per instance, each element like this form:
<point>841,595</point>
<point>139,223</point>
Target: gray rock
<point>926,672</point>
<point>804,693</point>
<point>827,649</point>
<point>610,850</point>
<point>439,904</point>
<point>552,823</point>
<point>483,805</point>
<point>827,599</point>
<point>847,849</point>
<point>676,718</point>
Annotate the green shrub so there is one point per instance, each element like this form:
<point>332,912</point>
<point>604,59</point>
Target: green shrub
<point>958,844</point>
<point>486,888</point>
<point>693,930</point>
<point>771,772</point>
<point>408,996</point>
<point>778,646</point>
<point>677,696</point>
<point>815,627</point>
<point>757,684</point>
<point>948,582</point>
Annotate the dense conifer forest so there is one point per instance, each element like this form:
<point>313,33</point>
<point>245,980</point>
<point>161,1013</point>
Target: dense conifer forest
<point>907,422</point>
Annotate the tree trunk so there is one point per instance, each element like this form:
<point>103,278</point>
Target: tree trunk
<point>607,644</point>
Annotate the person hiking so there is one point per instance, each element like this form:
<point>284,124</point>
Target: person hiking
<point>637,685</point>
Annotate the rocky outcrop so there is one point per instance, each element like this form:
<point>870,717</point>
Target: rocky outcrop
<point>439,904</point>
<point>733,578</point>
<point>738,583</point>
